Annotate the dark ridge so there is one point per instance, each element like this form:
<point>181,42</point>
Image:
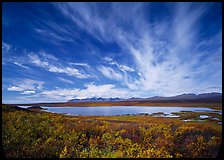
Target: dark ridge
<point>35,107</point>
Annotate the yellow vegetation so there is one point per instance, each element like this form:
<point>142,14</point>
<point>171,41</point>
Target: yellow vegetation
<point>34,134</point>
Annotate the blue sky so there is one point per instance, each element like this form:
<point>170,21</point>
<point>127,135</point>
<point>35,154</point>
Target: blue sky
<point>53,52</point>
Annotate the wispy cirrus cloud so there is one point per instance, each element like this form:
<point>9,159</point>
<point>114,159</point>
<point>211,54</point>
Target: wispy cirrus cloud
<point>110,73</point>
<point>5,52</point>
<point>45,28</point>
<point>82,14</point>
<point>19,64</point>
<point>9,57</point>
<point>163,62</point>
<point>65,80</point>
<point>46,61</point>
<point>80,64</point>
<point>46,35</point>
<point>37,61</point>
<point>20,85</point>
<point>6,46</point>
<point>121,67</point>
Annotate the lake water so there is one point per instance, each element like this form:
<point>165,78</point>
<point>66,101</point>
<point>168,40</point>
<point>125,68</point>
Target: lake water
<point>122,110</point>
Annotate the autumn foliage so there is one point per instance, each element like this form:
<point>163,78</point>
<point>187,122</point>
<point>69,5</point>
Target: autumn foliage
<point>35,134</point>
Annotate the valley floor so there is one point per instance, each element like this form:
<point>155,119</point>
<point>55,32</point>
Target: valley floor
<point>43,135</point>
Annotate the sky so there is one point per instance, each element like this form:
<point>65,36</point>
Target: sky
<point>54,52</point>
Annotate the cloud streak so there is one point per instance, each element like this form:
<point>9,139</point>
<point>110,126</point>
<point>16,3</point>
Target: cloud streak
<point>18,64</point>
<point>110,73</point>
<point>65,80</point>
<point>46,61</point>
<point>20,85</point>
<point>28,92</point>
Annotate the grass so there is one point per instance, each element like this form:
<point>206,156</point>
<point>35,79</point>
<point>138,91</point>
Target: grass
<point>32,134</point>
<point>196,115</point>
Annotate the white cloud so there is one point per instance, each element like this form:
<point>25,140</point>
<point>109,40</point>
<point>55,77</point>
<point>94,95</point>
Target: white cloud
<point>55,37</point>
<point>162,59</point>
<point>126,68</point>
<point>48,56</point>
<point>14,88</point>
<point>28,92</point>
<point>6,46</point>
<point>122,67</point>
<point>108,59</point>
<point>6,51</point>
<point>65,80</point>
<point>162,70</point>
<point>26,84</point>
<point>91,90</point>
<point>67,70</point>
<point>75,72</point>
<point>80,64</point>
<point>56,69</point>
<point>89,14</point>
<point>9,56</point>
<point>82,15</point>
<point>110,73</point>
<point>18,64</point>
<point>186,31</point>
<point>37,61</point>
<point>47,62</point>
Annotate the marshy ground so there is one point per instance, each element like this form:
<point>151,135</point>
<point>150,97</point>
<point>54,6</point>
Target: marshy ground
<point>27,133</point>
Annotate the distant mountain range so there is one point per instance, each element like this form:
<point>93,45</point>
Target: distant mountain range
<point>94,99</point>
<point>205,97</point>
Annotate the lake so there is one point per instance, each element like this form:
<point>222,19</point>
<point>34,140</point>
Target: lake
<point>122,110</point>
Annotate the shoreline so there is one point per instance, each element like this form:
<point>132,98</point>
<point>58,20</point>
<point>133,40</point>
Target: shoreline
<point>217,106</point>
